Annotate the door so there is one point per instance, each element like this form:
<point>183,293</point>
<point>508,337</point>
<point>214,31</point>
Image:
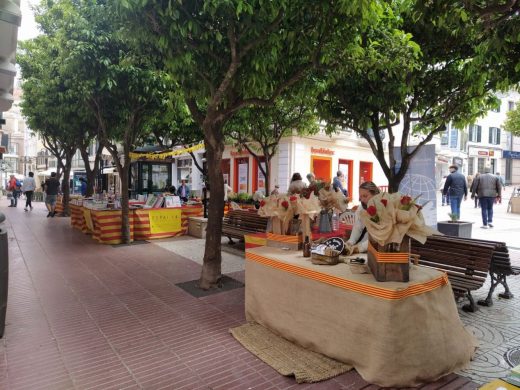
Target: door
<point>347,167</point>
<point>322,168</point>
<point>365,171</point>
<point>241,182</point>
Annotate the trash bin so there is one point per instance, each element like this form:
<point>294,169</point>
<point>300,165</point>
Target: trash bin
<point>4,278</point>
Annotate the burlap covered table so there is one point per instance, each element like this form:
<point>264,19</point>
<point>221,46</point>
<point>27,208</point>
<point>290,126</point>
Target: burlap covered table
<point>394,334</point>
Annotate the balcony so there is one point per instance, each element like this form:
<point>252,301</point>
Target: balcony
<point>10,20</point>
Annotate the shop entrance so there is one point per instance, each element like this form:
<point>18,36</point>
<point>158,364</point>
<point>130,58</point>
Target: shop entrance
<point>365,171</point>
<point>347,166</point>
<point>241,182</point>
<point>321,167</point>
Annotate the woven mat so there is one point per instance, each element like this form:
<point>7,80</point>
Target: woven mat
<point>286,357</point>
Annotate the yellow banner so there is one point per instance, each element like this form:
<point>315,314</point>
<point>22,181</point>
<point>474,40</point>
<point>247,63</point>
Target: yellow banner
<point>165,221</point>
<point>163,155</point>
<point>88,219</point>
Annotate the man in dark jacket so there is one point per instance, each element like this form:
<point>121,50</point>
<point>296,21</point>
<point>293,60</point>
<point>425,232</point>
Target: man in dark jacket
<point>488,189</point>
<point>456,186</point>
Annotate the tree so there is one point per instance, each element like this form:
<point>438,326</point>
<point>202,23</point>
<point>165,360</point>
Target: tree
<point>229,55</point>
<point>512,123</point>
<point>419,85</point>
<point>50,110</point>
<point>260,129</point>
<point>121,90</point>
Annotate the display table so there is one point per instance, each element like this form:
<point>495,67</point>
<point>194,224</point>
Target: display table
<point>394,334</point>
<point>164,222</point>
<point>145,224</point>
<point>260,239</point>
<point>77,219</point>
<point>106,226</point>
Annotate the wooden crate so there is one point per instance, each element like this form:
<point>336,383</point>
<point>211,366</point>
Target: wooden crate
<point>283,241</point>
<point>389,266</point>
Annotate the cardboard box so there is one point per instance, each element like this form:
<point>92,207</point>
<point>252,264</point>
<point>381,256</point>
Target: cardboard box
<point>197,226</point>
<point>294,243</point>
<point>515,205</point>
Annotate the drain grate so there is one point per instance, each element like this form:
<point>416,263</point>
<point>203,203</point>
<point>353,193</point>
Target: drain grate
<point>226,284</point>
<point>512,356</point>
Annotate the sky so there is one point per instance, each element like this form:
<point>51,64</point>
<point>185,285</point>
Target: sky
<point>28,28</point>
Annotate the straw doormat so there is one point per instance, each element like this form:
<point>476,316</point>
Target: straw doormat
<point>286,357</point>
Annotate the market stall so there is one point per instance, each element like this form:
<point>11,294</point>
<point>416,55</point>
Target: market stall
<point>164,222</point>
<point>145,224</point>
<point>393,333</point>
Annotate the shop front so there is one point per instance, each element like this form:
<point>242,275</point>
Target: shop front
<point>480,158</point>
<point>147,177</point>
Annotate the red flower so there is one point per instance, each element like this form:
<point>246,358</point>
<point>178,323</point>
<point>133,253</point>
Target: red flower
<point>384,201</point>
<point>372,211</point>
<point>285,204</point>
<point>262,203</point>
<point>293,198</point>
<point>405,200</point>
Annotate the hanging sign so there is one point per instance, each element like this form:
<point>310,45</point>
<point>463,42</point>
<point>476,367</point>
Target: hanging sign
<point>164,155</point>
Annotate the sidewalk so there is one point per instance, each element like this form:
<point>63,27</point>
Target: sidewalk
<point>87,316</point>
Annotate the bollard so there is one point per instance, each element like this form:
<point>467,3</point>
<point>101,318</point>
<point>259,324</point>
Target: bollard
<point>4,278</point>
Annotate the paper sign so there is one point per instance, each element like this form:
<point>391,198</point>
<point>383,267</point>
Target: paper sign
<point>165,221</point>
<point>88,219</point>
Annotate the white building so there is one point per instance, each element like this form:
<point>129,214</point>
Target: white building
<point>484,143</point>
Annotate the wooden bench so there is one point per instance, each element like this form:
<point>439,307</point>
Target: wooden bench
<point>238,223</point>
<point>466,263</point>
<point>499,270</point>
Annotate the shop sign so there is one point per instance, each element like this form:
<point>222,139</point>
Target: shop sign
<point>482,153</point>
<point>511,154</point>
<point>443,160</point>
<point>165,221</point>
<point>457,161</point>
<point>322,151</point>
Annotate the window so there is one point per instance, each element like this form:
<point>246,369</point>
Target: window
<point>444,137</point>
<point>13,148</point>
<point>454,138</point>
<point>475,133</point>
<point>494,135</point>
<point>497,109</point>
<point>510,105</point>
<point>464,141</point>
<point>471,165</point>
<point>481,165</point>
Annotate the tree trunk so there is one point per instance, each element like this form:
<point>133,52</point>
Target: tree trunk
<point>91,179</point>
<point>91,172</point>
<point>211,268</point>
<point>65,186</point>
<point>267,175</point>
<point>125,220</point>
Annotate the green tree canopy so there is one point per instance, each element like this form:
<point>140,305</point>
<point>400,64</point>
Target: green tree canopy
<point>229,55</point>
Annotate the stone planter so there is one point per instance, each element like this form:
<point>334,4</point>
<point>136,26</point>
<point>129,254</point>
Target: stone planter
<point>457,228</point>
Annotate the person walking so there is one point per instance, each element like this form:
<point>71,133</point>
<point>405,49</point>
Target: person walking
<point>457,188</point>
<point>28,187</point>
<point>489,190</point>
<point>52,187</point>
<point>337,183</point>
<point>472,188</point>
<point>445,198</point>
<point>14,187</point>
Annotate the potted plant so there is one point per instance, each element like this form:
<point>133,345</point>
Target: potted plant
<point>454,227</point>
